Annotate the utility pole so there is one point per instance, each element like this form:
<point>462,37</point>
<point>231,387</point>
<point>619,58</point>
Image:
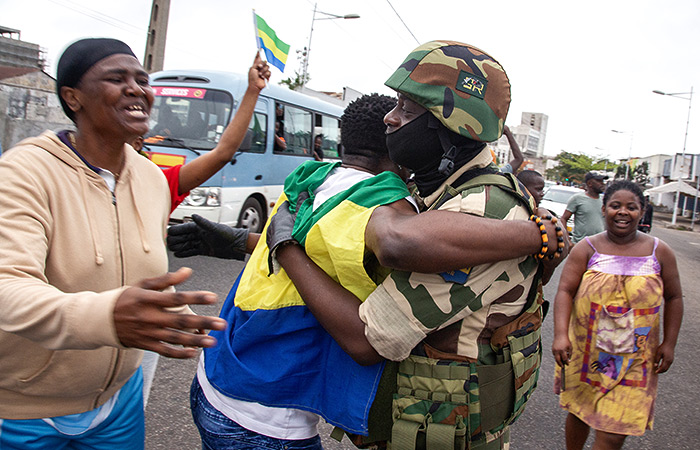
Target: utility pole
<point>157,35</point>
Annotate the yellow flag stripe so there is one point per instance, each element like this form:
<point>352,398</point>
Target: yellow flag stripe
<point>271,45</point>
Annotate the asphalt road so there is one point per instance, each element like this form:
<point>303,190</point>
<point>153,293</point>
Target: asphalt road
<point>169,424</point>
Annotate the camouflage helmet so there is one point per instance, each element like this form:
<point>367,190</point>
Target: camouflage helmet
<point>465,88</point>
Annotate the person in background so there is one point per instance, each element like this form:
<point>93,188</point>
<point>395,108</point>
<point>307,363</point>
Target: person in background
<point>534,182</point>
<point>318,150</point>
<point>168,124</point>
<point>280,143</point>
<point>516,162</point>
<point>83,265</point>
<point>645,223</point>
<point>586,208</point>
<point>607,325</point>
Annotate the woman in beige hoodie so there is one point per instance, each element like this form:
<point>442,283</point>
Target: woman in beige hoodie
<point>83,266</point>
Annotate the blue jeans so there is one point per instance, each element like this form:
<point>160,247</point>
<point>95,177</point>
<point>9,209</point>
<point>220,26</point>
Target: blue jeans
<point>218,432</point>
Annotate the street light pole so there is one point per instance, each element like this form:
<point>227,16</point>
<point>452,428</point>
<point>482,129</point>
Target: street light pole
<point>629,154</point>
<point>308,47</point>
<point>685,139</point>
<point>606,159</point>
<point>697,189</point>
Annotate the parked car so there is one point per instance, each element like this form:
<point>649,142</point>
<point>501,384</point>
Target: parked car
<point>555,199</point>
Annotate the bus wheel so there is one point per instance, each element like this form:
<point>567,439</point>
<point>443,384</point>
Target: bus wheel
<point>251,216</point>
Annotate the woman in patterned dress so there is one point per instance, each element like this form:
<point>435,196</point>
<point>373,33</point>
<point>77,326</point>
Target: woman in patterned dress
<point>606,325</point>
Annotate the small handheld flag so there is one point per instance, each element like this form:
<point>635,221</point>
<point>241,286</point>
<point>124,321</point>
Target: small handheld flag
<point>276,51</point>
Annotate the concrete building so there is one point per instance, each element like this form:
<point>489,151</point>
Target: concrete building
<point>655,164</point>
<point>28,105</point>
<point>16,53</point>
<point>530,135</point>
<point>672,170</point>
<point>28,101</point>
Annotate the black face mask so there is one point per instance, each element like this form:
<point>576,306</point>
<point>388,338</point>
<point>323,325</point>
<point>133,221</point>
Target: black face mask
<point>417,146</point>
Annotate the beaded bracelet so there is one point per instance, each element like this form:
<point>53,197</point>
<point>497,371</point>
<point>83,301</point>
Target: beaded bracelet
<point>543,234</point>
<point>560,239</point>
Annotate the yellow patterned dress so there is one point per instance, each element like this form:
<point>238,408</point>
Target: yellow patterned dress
<point>610,383</point>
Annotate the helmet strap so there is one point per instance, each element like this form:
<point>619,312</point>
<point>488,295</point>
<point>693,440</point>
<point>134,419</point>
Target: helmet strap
<point>447,163</point>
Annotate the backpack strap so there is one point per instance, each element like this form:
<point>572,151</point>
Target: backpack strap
<point>483,177</point>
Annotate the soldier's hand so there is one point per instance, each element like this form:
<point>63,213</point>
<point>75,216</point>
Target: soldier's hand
<point>551,223</point>
<point>204,237</point>
<point>142,319</point>
<point>279,232</point>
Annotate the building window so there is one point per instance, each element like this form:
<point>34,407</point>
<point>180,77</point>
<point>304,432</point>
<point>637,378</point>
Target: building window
<point>153,37</point>
<point>155,13</point>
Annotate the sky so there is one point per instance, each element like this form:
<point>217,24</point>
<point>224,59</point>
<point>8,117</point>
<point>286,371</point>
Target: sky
<point>590,66</point>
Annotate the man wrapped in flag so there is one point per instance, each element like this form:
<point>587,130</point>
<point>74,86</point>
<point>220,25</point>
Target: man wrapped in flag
<point>275,353</point>
<point>276,51</point>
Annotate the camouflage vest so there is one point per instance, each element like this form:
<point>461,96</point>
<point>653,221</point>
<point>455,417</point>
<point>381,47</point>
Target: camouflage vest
<point>444,404</point>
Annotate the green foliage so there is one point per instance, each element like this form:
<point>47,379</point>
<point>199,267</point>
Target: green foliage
<point>641,174</point>
<point>296,82</point>
<point>620,171</point>
<point>572,167</point>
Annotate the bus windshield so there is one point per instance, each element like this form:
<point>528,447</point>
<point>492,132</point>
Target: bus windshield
<point>194,116</point>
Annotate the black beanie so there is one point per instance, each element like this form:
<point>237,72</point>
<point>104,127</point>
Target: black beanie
<point>79,57</point>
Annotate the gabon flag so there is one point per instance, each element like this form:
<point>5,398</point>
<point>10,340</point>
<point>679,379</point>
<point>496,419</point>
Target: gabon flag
<point>276,51</point>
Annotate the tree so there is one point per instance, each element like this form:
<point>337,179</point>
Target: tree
<point>297,82</point>
<point>572,167</point>
<point>620,171</point>
<point>641,174</point>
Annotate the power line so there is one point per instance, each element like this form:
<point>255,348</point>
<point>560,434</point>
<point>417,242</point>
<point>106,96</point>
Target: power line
<point>404,23</point>
<point>93,14</point>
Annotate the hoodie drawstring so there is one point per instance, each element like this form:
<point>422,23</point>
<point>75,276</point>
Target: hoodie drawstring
<point>139,221</point>
<point>99,259</point>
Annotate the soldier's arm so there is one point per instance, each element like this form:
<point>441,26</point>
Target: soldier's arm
<point>438,241</point>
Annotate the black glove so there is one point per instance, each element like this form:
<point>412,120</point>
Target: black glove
<point>204,237</point>
<point>279,230</point>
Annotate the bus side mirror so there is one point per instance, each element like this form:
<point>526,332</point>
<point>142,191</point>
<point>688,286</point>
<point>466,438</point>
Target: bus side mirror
<point>246,145</point>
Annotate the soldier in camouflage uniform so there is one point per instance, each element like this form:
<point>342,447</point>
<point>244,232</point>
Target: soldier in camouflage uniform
<point>468,341</point>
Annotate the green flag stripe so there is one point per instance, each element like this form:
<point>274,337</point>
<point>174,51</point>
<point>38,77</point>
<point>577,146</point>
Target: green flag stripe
<point>271,41</point>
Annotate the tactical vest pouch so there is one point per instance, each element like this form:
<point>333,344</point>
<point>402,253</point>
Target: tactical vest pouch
<point>432,408</point>
<point>526,357</point>
<point>441,401</point>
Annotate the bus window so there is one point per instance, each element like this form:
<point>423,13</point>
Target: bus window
<point>330,129</point>
<point>297,131</point>
<point>254,141</point>
<point>197,116</point>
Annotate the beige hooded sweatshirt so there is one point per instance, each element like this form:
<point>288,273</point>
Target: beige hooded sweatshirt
<point>68,248</point>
